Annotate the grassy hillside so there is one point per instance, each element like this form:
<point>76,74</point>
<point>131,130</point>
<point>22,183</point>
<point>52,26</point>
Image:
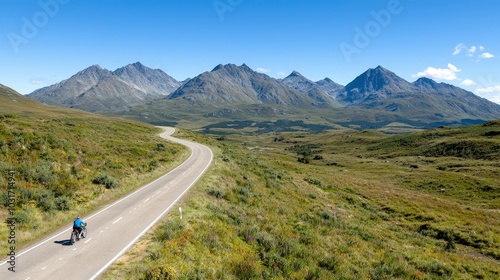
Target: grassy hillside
<point>203,116</point>
<point>335,205</point>
<point>68,162</point>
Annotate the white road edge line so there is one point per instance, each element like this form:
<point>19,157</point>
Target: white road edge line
<point>111,205</point>
<point>156,220</point>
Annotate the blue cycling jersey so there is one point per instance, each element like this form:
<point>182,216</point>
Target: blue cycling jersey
<point>78,223</point>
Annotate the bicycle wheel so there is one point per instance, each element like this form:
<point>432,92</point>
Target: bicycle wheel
<point>72,240</point>
<point>84,232</point>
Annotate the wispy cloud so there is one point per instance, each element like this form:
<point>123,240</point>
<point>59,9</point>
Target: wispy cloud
<point>486,55</point>
<point>468,82</point>
<point>459,48</point>
<point>448,74</point>
<point>281,74</point>
<point>492,93</point>
<point>471,51</point>
<point>489,89</point>
<point>39,81</point>
<point>263,70</point>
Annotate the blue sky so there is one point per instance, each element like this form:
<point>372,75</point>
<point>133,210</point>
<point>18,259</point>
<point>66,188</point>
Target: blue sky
<point>458,42</point>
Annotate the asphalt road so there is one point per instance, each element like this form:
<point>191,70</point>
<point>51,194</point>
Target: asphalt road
<point>113,229</point>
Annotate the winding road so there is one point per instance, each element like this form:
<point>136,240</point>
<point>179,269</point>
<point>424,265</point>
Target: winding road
<point>113,229</point>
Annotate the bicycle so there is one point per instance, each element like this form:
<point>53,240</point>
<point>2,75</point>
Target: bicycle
<point>75,235</point>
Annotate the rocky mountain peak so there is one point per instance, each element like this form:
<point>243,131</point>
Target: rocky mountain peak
<point>295,74</point>
<point>373,80</point>
<point>95,72</point>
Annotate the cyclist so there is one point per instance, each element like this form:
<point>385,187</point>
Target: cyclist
<point>77,224</point>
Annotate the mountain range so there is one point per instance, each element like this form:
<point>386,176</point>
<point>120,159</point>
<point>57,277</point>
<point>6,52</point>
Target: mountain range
<point>374,99</point>
<point>96,89</point>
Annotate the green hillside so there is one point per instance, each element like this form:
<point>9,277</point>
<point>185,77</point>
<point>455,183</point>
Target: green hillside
<point>68,162</point>
<point>335,205</point>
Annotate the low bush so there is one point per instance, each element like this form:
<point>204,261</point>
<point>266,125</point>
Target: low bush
<point>106,180</point>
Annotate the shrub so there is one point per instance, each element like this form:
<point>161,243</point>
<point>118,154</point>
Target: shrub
<point>153,165</point>
<point>325,215</point>
<point>169,230</point>
<point>266,241</point>
<point>25,195</point>
<point>44,174</point>
<point>22,218</point>
<point>248,233</point>
<point>314,181</point>
<point>63,203</point>
<point>331,264</point>
<point>216,192</point>
<point>437,268</point>
<point>160,147</point>
<point>106,180</point>
<point>313,274</point>
<point>47,204</point>
<point>160,272</point>
<point>247,268</point>
<point>46,201</point>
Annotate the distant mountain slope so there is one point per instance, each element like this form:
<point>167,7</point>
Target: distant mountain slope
<point>98,89</point>
<point>149,81</point>
<point>424,100</point>
<point>372,84</point>
<point>64,92</point>
<point>330,87</point>
<point>301,84</point>
<point>241,85</point>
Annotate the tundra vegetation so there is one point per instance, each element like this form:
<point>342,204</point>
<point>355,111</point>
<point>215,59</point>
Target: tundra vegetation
<point>68,162</point>
<point>334,205</point>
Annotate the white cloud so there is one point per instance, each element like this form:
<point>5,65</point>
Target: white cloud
<point>468,82</point>
<point>281,74</point>
<point>495,99</point>
<point>471,51</point>
<point>263,70</point>
<point>491,93</point>
<point>448,74</point>
<point>489,89</point>
<point>459,48</point>
<point>486,55</point>
<point>39,81</point>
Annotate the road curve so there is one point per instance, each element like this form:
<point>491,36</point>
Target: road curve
<point>113,229</point>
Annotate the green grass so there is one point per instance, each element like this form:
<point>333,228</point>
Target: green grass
<point>370,206</point>
<point>69,162</point>
<point>204,116</point>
